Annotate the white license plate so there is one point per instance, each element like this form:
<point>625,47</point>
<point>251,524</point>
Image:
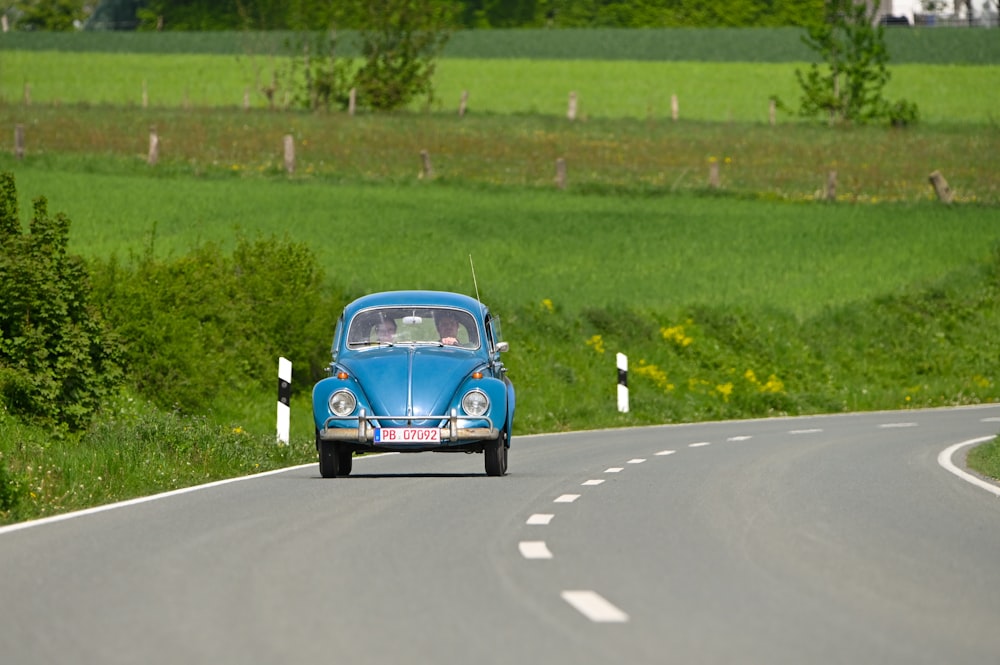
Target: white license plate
<point>407,435</point>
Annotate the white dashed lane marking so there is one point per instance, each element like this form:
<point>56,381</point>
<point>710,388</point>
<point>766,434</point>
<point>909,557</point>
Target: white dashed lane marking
<point>593,606</point>
<point>666,452</point>
<point>540,519</point>
<point>534,549</point>
<point>637,460</point>
<point>614,469</point>
<point>567,498</point>
<point>805,431</point>
<point>894,425</point>
<point>591,482</point>
<point>740,438</point>
<point>700,444</point>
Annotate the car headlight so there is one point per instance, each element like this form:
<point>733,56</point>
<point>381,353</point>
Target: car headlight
<point>475,403</point>
<point>342,403</point>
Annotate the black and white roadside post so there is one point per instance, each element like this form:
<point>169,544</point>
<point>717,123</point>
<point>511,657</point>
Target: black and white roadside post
<point>284,395</point>
<point>622,382</point>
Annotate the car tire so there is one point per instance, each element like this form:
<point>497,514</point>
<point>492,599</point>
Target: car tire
<point>329,459</point>
<point>495,453</point>
<point>345,460</point>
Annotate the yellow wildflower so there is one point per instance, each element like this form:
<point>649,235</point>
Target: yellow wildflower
<point>676,335</point>
<point>657,375</point>
<point>596,343</point>
<point>773,385</point>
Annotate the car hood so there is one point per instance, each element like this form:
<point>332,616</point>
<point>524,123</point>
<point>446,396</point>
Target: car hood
<point>411,380</point>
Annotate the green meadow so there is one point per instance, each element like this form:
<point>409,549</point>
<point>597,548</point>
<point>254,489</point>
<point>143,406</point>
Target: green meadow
<point>753,298</point>
<point>579,251</point>
<point>710,91</point>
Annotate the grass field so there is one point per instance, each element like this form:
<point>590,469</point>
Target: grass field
<point>749,300</point>
<point>585,251</point>
<point>712,91</point>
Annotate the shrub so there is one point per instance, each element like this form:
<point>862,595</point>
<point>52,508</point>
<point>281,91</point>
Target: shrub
<point>206,323</point>
<point>58,359</point>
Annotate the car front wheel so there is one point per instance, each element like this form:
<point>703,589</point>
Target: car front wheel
<point>334,460</point>
<point>495,453</point>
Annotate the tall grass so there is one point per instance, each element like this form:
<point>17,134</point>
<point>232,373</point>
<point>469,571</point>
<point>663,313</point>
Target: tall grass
<point>134,450</point>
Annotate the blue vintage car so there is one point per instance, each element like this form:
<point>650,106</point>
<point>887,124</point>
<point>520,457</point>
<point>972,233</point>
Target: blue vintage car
<point>414,371</point>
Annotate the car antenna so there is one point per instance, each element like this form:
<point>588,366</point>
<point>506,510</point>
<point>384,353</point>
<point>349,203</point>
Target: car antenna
<point>474,282</point>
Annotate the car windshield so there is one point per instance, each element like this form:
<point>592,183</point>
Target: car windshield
<point>444,326</point>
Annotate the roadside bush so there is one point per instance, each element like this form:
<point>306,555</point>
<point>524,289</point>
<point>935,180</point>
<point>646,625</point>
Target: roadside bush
<point>58,359</point>
<point>207,323</point>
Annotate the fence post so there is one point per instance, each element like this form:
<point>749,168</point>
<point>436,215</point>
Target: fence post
<point>284,396</point>
<point>19,141</point>
<point>675,107</point>
<point>462,104</point>
<point>427,171</point>
<point>154,146</point>
<point>713,173</point>
<point>352,101</point>
<point>561,173</point>
<point>289,154</point>
<point>622,361</point>
<point>831,186</point>
<point>571,107</point>
<point>941,187</point>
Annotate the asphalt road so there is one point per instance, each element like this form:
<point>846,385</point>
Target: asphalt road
<point>836,539</point>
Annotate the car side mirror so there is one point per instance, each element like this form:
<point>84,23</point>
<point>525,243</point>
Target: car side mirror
<point>503,346</point>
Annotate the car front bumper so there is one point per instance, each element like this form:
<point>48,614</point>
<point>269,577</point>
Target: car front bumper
<point>363,429</point>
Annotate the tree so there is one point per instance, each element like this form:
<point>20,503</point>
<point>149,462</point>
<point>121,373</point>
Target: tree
<point>399,41</point>
<point>848,87</point>
<point>51,14</point>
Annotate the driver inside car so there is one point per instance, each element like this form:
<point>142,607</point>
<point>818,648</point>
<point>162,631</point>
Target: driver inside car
<point>447,327</point>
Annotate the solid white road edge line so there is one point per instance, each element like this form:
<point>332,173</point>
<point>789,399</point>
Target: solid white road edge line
<point>591,605</point>
<point>142,499</point>
<point>156,497</point>
<point>944,459</point>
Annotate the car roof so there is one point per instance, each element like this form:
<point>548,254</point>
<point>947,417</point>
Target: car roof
<point>415,298</point>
